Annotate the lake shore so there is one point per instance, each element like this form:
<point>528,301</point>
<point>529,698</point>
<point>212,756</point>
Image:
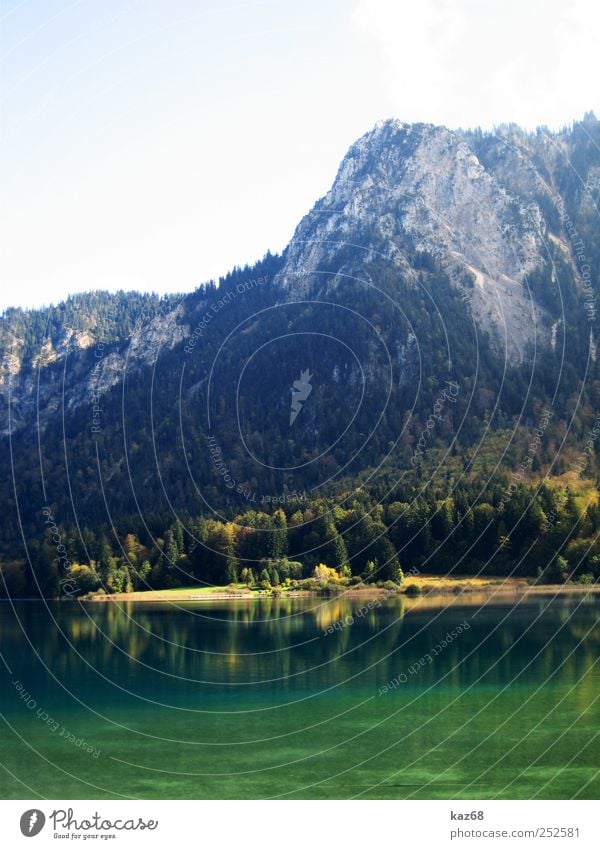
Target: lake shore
<point>412,587</point>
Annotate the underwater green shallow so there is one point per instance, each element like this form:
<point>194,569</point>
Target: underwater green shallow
<point>467,698</point>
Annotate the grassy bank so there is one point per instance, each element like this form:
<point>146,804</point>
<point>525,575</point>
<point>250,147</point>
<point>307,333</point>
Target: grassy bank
<point>413,585</point>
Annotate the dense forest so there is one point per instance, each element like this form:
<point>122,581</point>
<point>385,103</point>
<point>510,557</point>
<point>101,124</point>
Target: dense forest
<point>148,440</point>
<point>548,532</point>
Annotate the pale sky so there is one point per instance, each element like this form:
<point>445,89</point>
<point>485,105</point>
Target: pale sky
<point>154,145</point>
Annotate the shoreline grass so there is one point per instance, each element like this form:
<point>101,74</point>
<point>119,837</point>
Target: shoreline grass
<point>421,585</point>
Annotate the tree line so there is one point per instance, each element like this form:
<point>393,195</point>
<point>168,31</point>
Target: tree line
<point>547,532</point>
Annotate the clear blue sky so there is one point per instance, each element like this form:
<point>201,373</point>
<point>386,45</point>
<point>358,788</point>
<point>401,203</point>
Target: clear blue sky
<point>154,145</point>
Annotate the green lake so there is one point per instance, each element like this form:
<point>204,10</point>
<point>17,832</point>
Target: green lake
<point>302,698</point>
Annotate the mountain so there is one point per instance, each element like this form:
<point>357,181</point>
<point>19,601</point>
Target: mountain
<point>492,211</point>
<point>433,312</point>
<point>36,344</point>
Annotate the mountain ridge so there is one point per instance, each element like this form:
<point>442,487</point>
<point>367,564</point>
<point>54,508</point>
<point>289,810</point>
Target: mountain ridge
<point>436,256</point>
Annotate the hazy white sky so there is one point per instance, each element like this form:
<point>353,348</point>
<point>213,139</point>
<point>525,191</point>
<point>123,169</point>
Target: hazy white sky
<point>153,144</point>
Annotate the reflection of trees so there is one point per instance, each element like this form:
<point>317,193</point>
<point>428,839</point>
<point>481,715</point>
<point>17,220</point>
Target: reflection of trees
<point>285,646</point>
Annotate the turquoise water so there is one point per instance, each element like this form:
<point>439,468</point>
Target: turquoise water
<point>299,698</point>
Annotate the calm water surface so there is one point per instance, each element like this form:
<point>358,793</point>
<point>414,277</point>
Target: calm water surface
<point>301,698</point>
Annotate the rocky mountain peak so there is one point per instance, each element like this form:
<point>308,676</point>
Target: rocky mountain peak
<point>403,188</point>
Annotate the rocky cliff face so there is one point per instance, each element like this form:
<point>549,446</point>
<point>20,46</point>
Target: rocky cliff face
<point>490,222</point>
<point>496,219</point>
<point>77,365</point>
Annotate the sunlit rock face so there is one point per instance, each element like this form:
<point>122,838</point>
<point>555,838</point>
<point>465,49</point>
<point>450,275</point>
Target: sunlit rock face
<point>487,209</point>
<point>498,220</point>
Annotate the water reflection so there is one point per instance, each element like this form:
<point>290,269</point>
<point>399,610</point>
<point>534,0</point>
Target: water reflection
<point>291,644</point>
<point>238,700</point>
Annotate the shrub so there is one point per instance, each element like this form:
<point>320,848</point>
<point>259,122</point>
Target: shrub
<point>324,574</point>
<point>82,578</point>
<point>331,588</point>
<point>586,578</point>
